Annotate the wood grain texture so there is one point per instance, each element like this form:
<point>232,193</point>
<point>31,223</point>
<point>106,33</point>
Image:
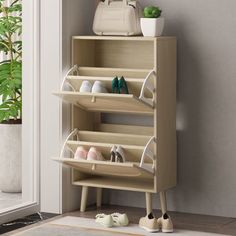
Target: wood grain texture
<point>117,183</point>
<point>106,102</point>
<point>125,129</point>
<point>107,168</point>
<point>165,114</point>
<point>111,72</point>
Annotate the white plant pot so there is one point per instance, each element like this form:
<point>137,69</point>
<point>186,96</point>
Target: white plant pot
<point>10,158</point>
<point>152,27</point>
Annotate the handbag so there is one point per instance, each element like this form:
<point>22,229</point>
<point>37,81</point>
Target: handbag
<point>117,18</point>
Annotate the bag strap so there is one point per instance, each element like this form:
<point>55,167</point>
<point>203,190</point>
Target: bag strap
<point>125,2</point>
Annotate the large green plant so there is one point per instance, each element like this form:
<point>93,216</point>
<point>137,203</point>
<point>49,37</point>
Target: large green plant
<point>11,67</point>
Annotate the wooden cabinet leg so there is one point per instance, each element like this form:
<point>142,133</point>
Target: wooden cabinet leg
<point>84,196</point>
<point>99,197</point>
<point>148,203</point>
<point>163,202</point>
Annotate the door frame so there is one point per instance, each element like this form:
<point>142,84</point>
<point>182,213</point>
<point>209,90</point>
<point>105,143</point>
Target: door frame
<point>31,112</point>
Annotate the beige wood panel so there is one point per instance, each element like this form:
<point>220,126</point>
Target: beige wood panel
<point>107,168</point>
<point>104,72</point>
<point>82,119</point>
<point>133,153</point>
<point>166,114</point>
<point>155,124</point>
<point>115,38</point>
<point>114,138</point>
<point>83,52</point>
<point>106,102</point>
<point>126,129</point>
<point>129,54</point>
<point>117,183</point>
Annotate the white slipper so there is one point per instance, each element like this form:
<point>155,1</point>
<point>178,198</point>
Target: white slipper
<point>86,87</point>
<point>98,87</point>
<point>104,220</point>
<point>120,219</point>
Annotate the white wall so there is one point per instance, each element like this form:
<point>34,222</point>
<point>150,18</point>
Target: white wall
<point>77,19</point>
<point>57,195</point>
<point>50,106</point>
<point>206,107</point>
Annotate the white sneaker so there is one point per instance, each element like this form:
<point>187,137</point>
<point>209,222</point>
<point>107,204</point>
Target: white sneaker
<point>120,219</point>
<point>166,224</point>
<point>98,87</point>
<point>104,220</point>
<point>94,155</point>
<point>86,87</point>
<point>149,223</point>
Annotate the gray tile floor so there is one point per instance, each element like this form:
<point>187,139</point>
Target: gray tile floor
<point>182,221</point>
<point>24,223</point>
<point>9,199</point>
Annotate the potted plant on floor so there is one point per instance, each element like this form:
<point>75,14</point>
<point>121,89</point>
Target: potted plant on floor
<point>152,24</point>
<point>10,95</point>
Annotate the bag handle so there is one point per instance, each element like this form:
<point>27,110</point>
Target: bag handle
<point>125,2</point>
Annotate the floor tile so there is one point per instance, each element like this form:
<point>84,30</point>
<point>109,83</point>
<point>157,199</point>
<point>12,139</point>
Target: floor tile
<point>29,220</point>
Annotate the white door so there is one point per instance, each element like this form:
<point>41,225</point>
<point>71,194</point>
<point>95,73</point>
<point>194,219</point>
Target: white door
<point>30,121</point>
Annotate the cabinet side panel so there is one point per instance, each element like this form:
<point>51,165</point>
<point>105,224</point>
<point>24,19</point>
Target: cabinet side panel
<point>124,54</point>
<point>166,114</point>
<point>81,119</point>
<point>83,52</point>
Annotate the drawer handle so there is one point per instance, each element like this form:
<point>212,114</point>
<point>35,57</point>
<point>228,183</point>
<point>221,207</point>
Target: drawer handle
<point>93,99</point>
<point>93,167</point>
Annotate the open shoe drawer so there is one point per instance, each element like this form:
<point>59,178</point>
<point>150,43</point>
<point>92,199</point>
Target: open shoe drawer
<point>139,158</point>
<point>133,145</point>
<point>133,78</point>
<point>141,89</point>
<point>107,168</point>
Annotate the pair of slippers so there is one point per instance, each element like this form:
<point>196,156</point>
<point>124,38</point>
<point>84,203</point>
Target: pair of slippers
<point>117,154</point>
<point>118,86</point>
<point>92,155</point>
<point>88,87</point>
<point>115,219</point>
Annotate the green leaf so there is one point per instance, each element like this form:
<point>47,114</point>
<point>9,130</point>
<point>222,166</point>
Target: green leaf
<point>10,70</point>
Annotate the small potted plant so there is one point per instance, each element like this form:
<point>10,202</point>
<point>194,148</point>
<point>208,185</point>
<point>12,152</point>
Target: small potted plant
<point>152,24</point>
<point>10,95</point>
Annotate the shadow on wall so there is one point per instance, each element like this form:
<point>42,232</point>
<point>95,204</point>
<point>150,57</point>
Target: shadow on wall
<point>191,164</point>
<point>206,112</point>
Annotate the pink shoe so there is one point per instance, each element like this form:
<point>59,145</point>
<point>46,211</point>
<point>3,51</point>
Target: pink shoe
<point>94,155</point>
<point>81,153</point>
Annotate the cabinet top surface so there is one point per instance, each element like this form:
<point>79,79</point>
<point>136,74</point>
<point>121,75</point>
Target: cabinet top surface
<point>134,38</point>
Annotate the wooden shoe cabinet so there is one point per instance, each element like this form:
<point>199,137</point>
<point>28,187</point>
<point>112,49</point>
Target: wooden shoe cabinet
<point>149,67</point>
